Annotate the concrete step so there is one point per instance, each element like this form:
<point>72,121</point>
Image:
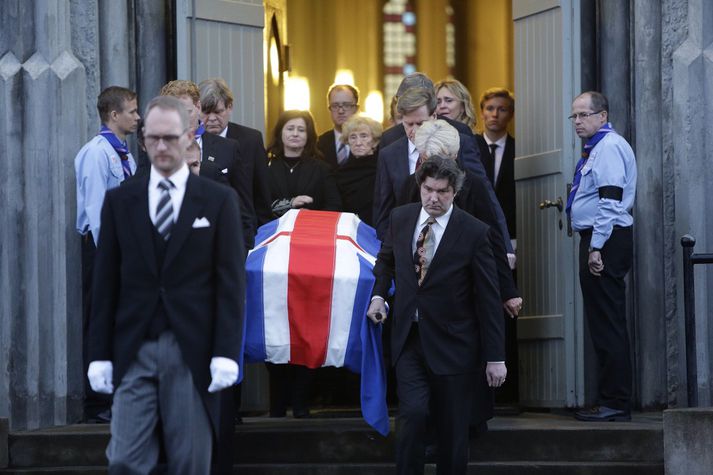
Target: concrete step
<point>529,441</point>
<point>476,468</point>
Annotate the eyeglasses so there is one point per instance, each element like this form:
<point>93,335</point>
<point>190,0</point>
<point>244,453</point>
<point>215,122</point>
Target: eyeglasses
<point>345,106</point>
<point>168,140</point>
<point>582,115</point>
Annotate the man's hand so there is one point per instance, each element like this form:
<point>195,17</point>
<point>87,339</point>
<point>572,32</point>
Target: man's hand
<point>495,373</point>
<point>596,265</point>
<point>301,200</point>
<point>223,373</point>
<point>100,374</point>
<point>513,306</point>
<point>512,261</point>
<point>377,310</point>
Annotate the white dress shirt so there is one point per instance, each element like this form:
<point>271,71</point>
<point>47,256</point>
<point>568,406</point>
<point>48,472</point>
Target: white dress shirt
<point>179,180</point>
<point>412,157</point>
<point>437,228</point>
<point>499,151</point>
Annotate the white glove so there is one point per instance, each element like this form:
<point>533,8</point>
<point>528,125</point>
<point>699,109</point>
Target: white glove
<point>223,373</point>
<point>100,375</point>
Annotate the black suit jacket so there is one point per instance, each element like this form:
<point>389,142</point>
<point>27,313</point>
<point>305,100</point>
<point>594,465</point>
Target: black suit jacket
<point>505,184</point>
<point>326,145</point>
<point>473,199</point>
<point>460,312</point>
<point>201,283</point>
<point>316,179</point>
<point>224,154</point>
<point>253,161</point>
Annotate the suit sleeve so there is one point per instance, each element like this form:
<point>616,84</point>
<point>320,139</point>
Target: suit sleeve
<point>469,158</point>
<point>383,197</point>
<point>229,268</point>
<point>481,207</point>
<point>385,267</point>
<point>261,183</point>
<point>240,183</point>
<point>488,302</point>
<point>105,288</point>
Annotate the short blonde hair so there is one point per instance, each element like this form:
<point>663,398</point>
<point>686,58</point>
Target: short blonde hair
<point>437,137</point>
<point>357,121</point>
<point>181,87</point>
<point>461,93</point>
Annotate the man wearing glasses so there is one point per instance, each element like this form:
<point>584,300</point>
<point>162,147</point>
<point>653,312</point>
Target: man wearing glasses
<point>343,102</point>
<point>166,326</point>
<point>599,206</point>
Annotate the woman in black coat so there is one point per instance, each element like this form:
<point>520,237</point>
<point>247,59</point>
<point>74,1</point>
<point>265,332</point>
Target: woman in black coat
<point>356,177</point>
<point>298,177</point>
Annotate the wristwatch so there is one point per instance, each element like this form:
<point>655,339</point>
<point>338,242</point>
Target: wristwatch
<point>592,249</point>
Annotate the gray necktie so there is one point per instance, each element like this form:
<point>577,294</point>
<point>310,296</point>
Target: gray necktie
<point>164,210</point>
<point>342,153</point>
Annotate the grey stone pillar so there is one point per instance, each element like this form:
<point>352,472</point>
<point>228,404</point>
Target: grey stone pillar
<point>692,141</point>
<point>650,329</point>
<point>115,29</point>
<point>42,95</point>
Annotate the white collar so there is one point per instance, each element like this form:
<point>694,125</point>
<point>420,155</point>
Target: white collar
<point>442,220</point>
<point>178,178</point>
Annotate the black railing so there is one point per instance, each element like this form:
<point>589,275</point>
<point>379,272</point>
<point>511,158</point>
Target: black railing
<point>689,308</point>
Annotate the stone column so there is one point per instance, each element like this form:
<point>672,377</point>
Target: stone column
<point>691,140</point>
<point>42,98</point>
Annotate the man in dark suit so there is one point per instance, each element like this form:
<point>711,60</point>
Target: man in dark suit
<point>400,159</point>
<point>216,108</point>
<point>447,318</point>
<point>221,152</point>
<point>343,102</point>
<point>497,148</point>
<point>166,327</point>
<point>417,79</point>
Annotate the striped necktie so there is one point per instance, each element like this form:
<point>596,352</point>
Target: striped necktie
<point>164,210</point>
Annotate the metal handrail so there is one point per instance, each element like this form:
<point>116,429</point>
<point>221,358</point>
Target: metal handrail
<point>689,308</point>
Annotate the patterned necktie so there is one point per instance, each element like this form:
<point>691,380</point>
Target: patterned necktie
<point>164,210</point>
<point>425,246</point>
<point>490,165</point>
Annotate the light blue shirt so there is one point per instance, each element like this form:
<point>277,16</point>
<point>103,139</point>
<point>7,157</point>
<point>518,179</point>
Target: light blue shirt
<point>610,163</point>
<point>97,167</point>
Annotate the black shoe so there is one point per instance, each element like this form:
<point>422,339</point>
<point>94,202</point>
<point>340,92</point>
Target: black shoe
<point>102,417</point>
<point>602,414</point>
<point>300,413</point>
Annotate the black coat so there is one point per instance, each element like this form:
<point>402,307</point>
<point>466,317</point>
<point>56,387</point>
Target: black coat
<point>313,178</point>
<point>326,145</point>
<point>355,181</point>
<point>201,283</point>
<point>253,161</point>
<point>224,154</point>
<point>505,185</point>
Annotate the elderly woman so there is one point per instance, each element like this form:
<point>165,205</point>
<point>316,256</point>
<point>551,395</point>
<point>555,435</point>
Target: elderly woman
<point>298,177</point>
<point>355,179</point>
<point>453,101</point>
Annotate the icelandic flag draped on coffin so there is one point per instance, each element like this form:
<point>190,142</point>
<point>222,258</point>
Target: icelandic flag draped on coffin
<point>309,283</point>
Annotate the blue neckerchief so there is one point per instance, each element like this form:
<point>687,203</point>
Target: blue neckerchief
<point>120,147</point>
<point>591,143</point>
<point>200,130</point>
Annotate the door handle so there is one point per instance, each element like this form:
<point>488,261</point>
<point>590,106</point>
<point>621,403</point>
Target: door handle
<point>552,204</point>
